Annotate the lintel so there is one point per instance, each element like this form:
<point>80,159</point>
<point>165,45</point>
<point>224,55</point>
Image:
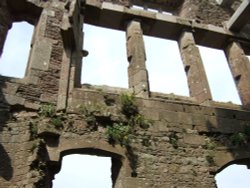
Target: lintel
<point>159,25</point>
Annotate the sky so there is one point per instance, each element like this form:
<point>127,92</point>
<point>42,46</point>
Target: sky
<point>106,64</point>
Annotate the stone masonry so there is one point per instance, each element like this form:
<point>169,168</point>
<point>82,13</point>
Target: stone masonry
<point>155,140</point>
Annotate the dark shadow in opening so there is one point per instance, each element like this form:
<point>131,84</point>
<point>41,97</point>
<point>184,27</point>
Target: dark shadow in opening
<point>6,170</point>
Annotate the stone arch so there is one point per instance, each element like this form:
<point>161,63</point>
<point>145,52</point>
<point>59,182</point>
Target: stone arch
<point>119,163</point>
<point>223,159</point>
<point>116,159</point>
<point>242,161</point>
<point>228,174</point>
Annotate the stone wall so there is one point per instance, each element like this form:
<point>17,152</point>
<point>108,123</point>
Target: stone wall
<point>163,140</point>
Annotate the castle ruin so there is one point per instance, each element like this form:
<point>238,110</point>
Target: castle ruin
<point>155,140</point>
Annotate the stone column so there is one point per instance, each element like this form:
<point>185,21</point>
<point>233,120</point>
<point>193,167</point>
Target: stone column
<point>5,23</point>
<point>196,75</point>
<point>137,72</point>
<point>240,68</point>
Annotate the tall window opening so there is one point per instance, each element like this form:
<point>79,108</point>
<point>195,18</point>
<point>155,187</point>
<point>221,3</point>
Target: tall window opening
<point>80,171</point>
<point>106,63</point>
<point>165,67</point>
<point>14,59</point>
<point>233,176</point>
<point>219,76</point>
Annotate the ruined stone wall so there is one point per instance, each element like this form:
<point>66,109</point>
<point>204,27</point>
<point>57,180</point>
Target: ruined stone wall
<point>207,11</point>
<point>164,140</point>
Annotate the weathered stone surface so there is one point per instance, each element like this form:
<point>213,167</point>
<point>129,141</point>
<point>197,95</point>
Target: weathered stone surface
<point>186,139</point>
<point>240,68</point>
<point>137,72</point>
<point>197,80</point>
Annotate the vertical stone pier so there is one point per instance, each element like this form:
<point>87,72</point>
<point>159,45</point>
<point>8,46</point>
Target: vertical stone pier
<point>196,76</point>
<point>240,68</point>
<point>137,72</point>
<point>5,23</point>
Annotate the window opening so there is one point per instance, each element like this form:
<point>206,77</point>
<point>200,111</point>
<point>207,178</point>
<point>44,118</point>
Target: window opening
<point>219,76</point>
<point>167,13</point>
<point>14,59</point>
<point>233,176</point>
<point>153,10</point>
<point>137,7</point>
<point>80,171</point>
<point>165,67</point>
<point>107,60</point>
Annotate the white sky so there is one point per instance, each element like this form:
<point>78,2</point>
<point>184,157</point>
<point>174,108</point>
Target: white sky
<point>88,172</point>
<point>106,64</point>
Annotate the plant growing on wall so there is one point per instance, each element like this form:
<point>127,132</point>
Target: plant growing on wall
<point>128,106</point>
<point>119,133</point>
<point>90,111</point>
<point>173,139</point>
<point>49,111</point>
<point>241,138</point>
<point>123,132</point>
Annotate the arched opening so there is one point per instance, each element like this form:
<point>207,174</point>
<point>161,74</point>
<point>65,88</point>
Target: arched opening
<point>165,67</point>
<point>88,167</point>
<point>14,59</point>
<point>233,176</point>
<point>220,79</point>
<point>106,63</point>
<point>84,171</point>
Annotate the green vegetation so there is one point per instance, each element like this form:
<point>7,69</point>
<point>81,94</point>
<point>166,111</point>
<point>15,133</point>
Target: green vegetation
<point>119,133</point>
<point>90,111</point>
<point>33,130</point>
<point>209,144</point>
<point>210,159</point>
<point>241,138</point>
<point>123,132</point>
<point>47,110</point>
<point>142,122</point>
<point>57,122</point>
<point>173,139</point>
<point>128,108</point>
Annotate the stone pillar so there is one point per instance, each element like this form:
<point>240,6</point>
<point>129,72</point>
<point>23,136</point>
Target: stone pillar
<point>137,72</point>
<point>196,75</point>
<point>240,68</point>
<point>5,24</point>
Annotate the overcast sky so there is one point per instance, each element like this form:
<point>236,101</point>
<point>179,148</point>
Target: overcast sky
<point>106,64</point>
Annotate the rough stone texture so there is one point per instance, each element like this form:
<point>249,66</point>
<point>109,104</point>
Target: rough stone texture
<point>240,67</point>
<point>205,11</point>
<point>197,80</point>
<point>5,23</point>
<point>177,141</point>
<point>137,72</point>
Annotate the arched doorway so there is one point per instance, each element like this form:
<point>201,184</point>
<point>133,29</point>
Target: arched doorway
<point>234,174</point>
<point>84,171</point>
<point>77,164</point>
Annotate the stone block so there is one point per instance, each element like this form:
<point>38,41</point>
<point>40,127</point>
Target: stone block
<point>193,139</point>
<point>13,100</point>
<point>40,58</point>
